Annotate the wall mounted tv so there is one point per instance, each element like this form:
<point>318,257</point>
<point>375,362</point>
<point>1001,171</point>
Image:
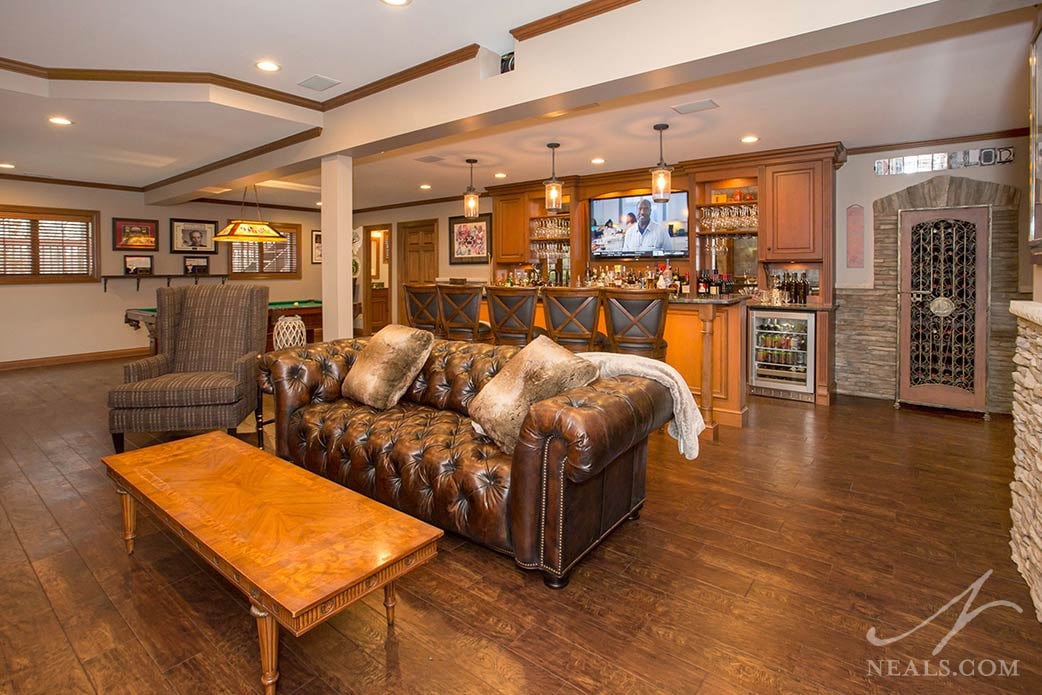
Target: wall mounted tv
<point>617,230</point>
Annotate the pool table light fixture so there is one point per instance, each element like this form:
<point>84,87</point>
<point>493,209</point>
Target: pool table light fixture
<point>248,230</point>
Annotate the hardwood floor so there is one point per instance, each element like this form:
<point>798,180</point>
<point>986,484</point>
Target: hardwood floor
<point>757,568</point>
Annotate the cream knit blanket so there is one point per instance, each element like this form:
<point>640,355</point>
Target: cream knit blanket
<point>687,421</point>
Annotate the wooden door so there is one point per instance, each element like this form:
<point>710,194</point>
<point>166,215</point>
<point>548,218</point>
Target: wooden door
<point>791,212</point>
<point>510,229</point>
<point>417,256</point>
<point>943,299</point>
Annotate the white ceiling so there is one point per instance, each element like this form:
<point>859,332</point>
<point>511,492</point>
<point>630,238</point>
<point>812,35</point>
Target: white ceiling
<point>960,80</point>
<point>354,41</point>
<point>955,81</point>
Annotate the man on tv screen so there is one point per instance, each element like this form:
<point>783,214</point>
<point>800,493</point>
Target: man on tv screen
<point>646,235</point>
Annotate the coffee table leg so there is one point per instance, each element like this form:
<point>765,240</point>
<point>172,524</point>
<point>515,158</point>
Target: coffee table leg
<point>389,602</point>
<point>129,519</point>
<point>268,631</point>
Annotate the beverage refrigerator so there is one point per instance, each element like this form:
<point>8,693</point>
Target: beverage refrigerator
<point>782,354</point>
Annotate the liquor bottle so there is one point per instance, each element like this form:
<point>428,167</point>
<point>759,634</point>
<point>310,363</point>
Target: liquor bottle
<point>806,287</point>
<point>714,285</point>
<point>702,287</point>
<point>685,285</point>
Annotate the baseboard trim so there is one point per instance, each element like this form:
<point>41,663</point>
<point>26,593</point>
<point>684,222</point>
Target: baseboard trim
<point>75,359</point>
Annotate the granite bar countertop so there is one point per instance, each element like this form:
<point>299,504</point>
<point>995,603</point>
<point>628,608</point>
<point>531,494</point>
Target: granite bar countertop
<point>793,307</point>
<point>724,301</point>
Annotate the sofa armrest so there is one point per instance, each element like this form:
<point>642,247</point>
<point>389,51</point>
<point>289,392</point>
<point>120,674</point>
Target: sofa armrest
<point>300,376</point>
<point>147,368</point>
<point>594,424</point>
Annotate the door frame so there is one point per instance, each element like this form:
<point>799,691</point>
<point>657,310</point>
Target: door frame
<point>900,306</point>
<point>367,260</point>
<point>398,298</point>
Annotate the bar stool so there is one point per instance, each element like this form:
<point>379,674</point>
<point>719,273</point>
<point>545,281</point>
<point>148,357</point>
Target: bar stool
<point>511,311</point>
<point>421,306</point>
<point>571,317</point>
<point>636,321</point>
<point>459,307</point>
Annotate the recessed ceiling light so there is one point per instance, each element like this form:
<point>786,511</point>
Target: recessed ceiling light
<point>59,120</point>
<point>749,139</point>
<point>597,160</point>
<point>425,186</point>
<point>319,203</point>
<point>396,3</point>
<point>5,165</point>
<point>500,175</point>
<point>268,66</point>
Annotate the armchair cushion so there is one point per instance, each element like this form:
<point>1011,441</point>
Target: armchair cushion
<point>541,370</point>
<point>387,366</point>
<point>180,389</point>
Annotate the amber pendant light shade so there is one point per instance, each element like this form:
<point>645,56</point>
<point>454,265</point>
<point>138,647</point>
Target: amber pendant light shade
<point>662,174</point>
<point>554,190</point>
<point>470,196</point>
<point>248,230</point>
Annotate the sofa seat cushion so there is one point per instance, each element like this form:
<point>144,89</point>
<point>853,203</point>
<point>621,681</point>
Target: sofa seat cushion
<point>428,463</point>
<point>179,389</point>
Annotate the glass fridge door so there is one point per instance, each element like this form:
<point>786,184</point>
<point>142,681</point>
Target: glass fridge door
<point>783,350</point>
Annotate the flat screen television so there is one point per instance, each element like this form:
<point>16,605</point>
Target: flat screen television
<point>615,231</point>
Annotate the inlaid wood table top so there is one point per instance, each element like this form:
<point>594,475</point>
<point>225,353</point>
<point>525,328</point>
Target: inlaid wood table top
<point>301,547</point>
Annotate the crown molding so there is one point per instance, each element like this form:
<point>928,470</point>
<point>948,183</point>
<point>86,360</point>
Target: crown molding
<point>995,135</point>
<point>236,158</point>
<point>570,16</point>
<point>71,182</point>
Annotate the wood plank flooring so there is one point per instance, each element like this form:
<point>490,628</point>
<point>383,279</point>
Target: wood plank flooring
<point>758,568</point>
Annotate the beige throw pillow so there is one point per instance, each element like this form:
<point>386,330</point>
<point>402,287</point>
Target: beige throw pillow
<point>541,370</point>
<point>387,366</point>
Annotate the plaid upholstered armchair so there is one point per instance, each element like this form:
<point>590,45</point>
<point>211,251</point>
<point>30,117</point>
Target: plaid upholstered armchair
<point>204,375</point>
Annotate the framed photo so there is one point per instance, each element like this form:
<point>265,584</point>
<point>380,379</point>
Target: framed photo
<point>192,236</point>
<point>135,235</point>
<point>137,265</point>
<point>316,246</point>
<point>470,241</point>
<point>197,265</point>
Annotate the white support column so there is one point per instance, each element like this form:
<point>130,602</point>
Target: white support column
<point>337,253</point>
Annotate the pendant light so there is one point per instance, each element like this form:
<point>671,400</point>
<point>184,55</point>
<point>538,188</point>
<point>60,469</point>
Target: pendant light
<point>248,230</point>
<point>554,192</point>
<point>661,175</point>
<point>470,196</point>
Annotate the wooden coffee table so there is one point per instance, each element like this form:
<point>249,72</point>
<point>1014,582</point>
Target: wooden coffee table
<point>300,547</point>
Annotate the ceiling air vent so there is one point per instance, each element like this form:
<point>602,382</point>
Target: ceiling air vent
<point>695,106</point>
<point>430,159</point>
<point>319,83</point>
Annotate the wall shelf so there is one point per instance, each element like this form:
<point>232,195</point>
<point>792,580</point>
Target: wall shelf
<point>105,278</point>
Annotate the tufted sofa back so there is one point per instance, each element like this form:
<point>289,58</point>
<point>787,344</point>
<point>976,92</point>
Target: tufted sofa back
<point>455,372</point>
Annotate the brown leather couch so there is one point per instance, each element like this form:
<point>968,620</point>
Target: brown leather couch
<point>578,470</point>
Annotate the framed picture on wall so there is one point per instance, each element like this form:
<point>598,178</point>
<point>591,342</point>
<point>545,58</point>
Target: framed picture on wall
<point>137,265</point>
<point>470,240</point>
<point>193,236</point>
<point>197,265</point>
<point>135,235</point>
<point>316,246</point>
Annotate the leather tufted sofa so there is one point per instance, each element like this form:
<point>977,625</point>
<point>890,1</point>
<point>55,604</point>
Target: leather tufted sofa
<point>577,472</point>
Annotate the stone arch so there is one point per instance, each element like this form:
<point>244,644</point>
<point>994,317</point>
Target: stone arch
<point>867,319</point>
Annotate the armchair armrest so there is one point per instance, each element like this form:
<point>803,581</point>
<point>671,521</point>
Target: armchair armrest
<point>147,368</point>
<point>300,376</point>
<point>245,368</point>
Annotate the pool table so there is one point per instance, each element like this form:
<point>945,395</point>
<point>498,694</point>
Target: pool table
<point>310,310</point>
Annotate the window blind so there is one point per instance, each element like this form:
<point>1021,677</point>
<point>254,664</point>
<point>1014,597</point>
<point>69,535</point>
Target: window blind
<point>37,245</point>
<point>268,257</point>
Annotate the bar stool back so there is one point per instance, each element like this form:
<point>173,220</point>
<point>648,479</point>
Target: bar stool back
<point>421,306</point>
<point>571,317</point>
<point>459,307</point>
<point>511,311</point>
<point>636,321</point>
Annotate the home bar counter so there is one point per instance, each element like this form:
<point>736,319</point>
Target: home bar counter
<point>708,344</point>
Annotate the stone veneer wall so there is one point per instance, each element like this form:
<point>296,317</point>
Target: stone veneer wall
<point>1026,534</point>
<point>867,320</point>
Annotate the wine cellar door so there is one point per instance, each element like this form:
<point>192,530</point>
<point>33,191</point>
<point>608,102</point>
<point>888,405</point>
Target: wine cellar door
<point>943,299</point>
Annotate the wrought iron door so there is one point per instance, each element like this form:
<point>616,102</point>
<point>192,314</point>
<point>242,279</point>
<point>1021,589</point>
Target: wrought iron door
<point>944,307</point>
